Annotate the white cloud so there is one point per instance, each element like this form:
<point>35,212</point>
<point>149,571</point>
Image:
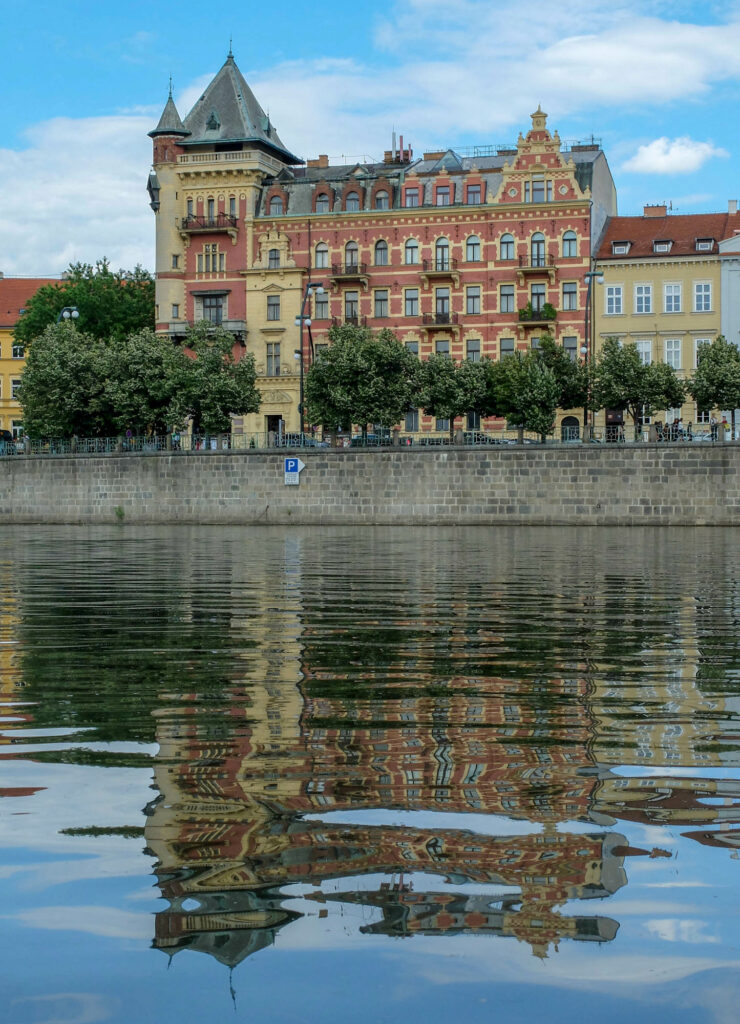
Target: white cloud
<point>677,930</point>
<point>672,156</point>
<point>108,922</point>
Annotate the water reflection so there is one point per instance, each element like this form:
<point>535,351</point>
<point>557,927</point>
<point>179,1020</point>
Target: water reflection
<point>455,737</point>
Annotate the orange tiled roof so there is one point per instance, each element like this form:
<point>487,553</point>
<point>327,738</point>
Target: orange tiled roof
<point>15,293</point>
<point>682,230</point>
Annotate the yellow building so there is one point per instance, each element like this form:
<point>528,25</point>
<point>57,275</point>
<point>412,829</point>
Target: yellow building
<point>14,294</point>
<point>661,292</point>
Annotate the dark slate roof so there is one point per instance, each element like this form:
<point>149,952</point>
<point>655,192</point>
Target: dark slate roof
<point>228,112</point>
<point>169,122</point>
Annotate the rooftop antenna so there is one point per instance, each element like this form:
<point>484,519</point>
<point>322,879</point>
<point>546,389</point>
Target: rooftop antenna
<point>170,86</point>
<point>230,53</point>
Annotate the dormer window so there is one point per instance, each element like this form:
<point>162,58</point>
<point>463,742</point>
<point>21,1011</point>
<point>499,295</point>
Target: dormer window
<point>662,246</point>
<point>322,203</point>
<point>704,244</point>
<point>276,206</point>
<point>352,202</point>
<point>620,248</point>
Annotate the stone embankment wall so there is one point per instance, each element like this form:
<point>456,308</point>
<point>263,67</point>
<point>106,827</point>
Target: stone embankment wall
<point>689,484</point>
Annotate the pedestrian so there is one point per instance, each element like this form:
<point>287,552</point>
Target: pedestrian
<point>713,427</point>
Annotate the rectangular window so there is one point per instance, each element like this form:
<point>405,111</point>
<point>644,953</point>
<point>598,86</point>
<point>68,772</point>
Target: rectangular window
<point>472,421</point>
<point>232,206</point>
<point>672,298</point>
<point>213,308</point>
<point>190,208</point>
<point>321,306</point>
<point>538,189</point>
<point>381,303</point>
<point>413,347</point>
<point>442,301</point>
<point>351,305</point>
<point>443,195</point>
<point>643,298</point>
<point>200,263</point>
<point>175,310</point>
<point>472,299</point>
<point>474,195</point>
<point>175,261</point>
<point>441,424</point>
<point>273,359</point>
<point>673,352</point>
<point>273,259</point>
<point>506,347</point>
<point>411,197</point>
<point>538,297</point>
<point>697,343</point>
<point>17,429</point>
<point>273,307</point>
<point>442,347</point>
<point>703,415</point>
<point>702,297</point>
<point>507,298</point>
<point>18,351</point>
<point>222,261</point>
<point>570,295</point>
<point>645,351</point>
<point>570,345</point>
<point>411,302</point>
<point>411,422</point>
<point>613,299</point>
<point>318,348</point>
<point>472,350</point>
<point>14,388</point>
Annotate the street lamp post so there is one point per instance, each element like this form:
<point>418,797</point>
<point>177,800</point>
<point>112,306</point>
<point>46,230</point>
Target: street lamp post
<point>312,288</point>
<point>588,345</point>
<point>68,313</point>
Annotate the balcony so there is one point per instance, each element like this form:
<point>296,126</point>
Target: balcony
<point>343,272</point>
<point>441,267</point>
<point>432,321</point>
<point>178,328</point>
<point>536,265</point>
<point>537,316</point>
<point>193,225</point>
<point>354,321</point>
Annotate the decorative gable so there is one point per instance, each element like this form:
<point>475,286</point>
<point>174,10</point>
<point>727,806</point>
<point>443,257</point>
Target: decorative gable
<point>539,172</point>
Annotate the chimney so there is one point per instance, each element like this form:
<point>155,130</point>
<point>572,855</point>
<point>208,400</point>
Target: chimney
<point>323,161</point>
<point>732,206</point>
<point>659,210</point>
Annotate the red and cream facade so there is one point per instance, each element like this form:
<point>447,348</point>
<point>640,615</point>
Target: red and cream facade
<point>470,256</point>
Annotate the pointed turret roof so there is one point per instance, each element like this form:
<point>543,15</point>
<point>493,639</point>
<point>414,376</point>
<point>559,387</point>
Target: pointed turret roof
<point>169,122</point>
<point>228,112</point>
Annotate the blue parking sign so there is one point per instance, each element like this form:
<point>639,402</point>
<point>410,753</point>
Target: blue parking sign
<point>293,469</point>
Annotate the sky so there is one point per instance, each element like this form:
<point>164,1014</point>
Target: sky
<point>656,82</point>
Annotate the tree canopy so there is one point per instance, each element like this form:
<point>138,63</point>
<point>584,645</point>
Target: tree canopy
<point>450,389</point>
<point>622,381</point>
<point>111,304</point>
<point>361,378</point>
<point>525,390</point>
<point>716,382</point>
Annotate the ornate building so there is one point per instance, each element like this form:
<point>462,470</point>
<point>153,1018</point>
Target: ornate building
<point>466,255</point>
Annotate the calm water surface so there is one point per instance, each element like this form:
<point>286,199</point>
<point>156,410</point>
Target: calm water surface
<point>330,775</point>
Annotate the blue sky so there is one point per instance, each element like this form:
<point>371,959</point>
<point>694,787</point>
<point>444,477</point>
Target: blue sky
<point>658,83</point>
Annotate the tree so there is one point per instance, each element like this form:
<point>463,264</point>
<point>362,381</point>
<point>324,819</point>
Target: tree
<point>525,390</point>
<point>716,382</point>
<point>211,384</point>
<point>361,378</point>
<point>111,304</point>
<point>63,385</point>
<point>141,380</point>
<point>571,376</point>
<point>450,389</point>
<point>622,381</point>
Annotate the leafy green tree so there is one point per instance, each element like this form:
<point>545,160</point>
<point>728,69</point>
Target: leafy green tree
<point>141,379</point>
<point>526,392</point>
<point>362,378</point>
<point>212,385</point>
<point>111,304</point>
<point>622,381</point>
<point>716,382</point>
<point>63,387</point>
<point>450,389</point>
<point>571,377</point>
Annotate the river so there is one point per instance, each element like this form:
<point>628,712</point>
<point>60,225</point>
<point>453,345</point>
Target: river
<point>341,774</point>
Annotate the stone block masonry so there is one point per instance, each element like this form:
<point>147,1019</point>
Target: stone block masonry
<point>553,485</point>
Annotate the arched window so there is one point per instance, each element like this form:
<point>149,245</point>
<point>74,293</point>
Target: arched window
<point>352,201</point>
<point>273,259</point>
<point>276,206</point>
<point>411,251</point>
<point>381,254</point>
<point>472,249</point>
<point>506,247</point>
<point>538,249</point>
<point>381,200</point>
<point>351,254</point>
<point>442,254</point>
<point>322,255</point>
<point>570,244</point>
<point>322,203</point>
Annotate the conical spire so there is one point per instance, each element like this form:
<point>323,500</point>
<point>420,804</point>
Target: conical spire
<point>229,112</point>
<point>169,122</point>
